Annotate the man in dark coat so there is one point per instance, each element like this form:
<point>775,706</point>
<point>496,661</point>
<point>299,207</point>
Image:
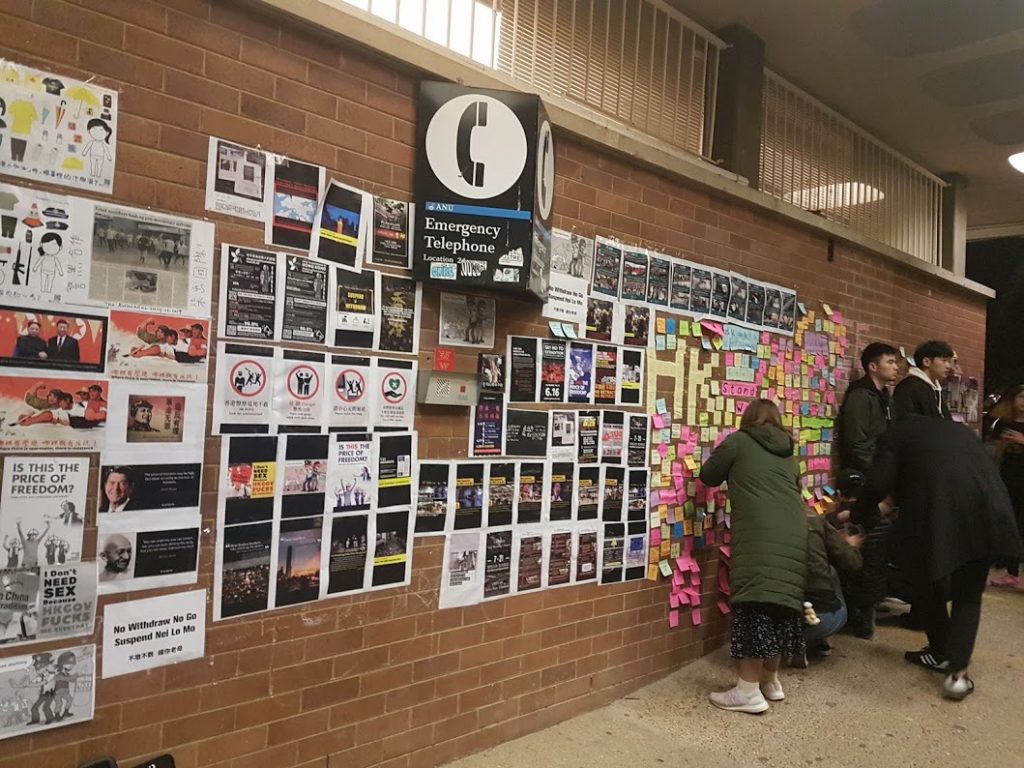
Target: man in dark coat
<point>955,519</point>
<point>921,389</point>
<point>62,346</point>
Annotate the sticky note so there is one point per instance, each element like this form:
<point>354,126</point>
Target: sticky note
<point>695,615</point>
<point>673,600</point>
<point>663,566</point>
<point>723,606</point>
<point>659,405</point>
<point>556,328</point>
<point>673,619</point>
<point>570,331</point>
<point>659,325</point>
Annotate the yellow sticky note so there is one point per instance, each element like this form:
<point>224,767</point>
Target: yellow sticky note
<point>659,325</point>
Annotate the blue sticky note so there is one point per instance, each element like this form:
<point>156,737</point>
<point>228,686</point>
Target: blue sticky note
<point>670,325</point>
<point>659,405</point>
<point>677,530</point>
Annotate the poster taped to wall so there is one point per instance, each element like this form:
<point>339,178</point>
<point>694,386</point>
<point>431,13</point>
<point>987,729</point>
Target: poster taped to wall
<point>57,130</point>
<point>42,517</point>
<point>396,393</point>
<point>159,488</point>
<point>392,223</point>
<point>304,310</point>
<point>147,260</point>
<point>47,603</point>
<point>47,239</point>
<point>248,293</point>
<point>145,557</point>
<point>351,394</point>
<point>152,416</point>
<point>351,474</point>
<point>49,689</point>
<point>354,316</point>
<point>234,179</point>
<point>434,499</point>
<point>68,341</point>
<point>158,347</point>
<point>52,413</point>
<point>342,225</point>
<point>243,393</point>
<point>462,570</point>
<point>290,201</point>
<point>299,391</point>
<point>155,632</point>
<point>400,299</point>
<point>467,320</point>
<point>572,264</point>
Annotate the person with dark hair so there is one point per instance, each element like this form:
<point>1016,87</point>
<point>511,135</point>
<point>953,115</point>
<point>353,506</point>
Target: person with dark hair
<point>955,518</point>
<point>29,344</point>
<point>768,573</point>
<point>921,390</point>
<point>98,147</point>
<point>47,264</point>
<point>1007,436</point>
<point>118,490</point>
<point>62,346</point>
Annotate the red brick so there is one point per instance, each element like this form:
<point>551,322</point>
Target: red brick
<point>233,744</point>
<point>330,693</point>
<point>220,69</point>
<point>56,14</point>
<point>156,47</point>
<point>299,727</point>
<point>272,112</point>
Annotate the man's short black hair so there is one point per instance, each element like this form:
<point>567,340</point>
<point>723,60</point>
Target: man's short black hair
<point>931,350</point>
<point>128,472</point>
<point>874,352</point>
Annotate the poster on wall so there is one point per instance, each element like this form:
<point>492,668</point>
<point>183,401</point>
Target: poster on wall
<point>47,602</point>
<point>242,574</point>
<point>60,683</point>
<point>341,226</point>
<point>434,497</point>
<point>47,239</point>
<point>155,632</point>
<point>587,436</point>
<point>348,555</point>
<point>488,429</point>
<point>658,280</point>
<point>167,487</point>
<point>248,293</point>
<point>497,564</point>
<point>354,318</point>
<point>396,467</point>
<point>522,377</point>
<point>562,442</point>
<point>631,377</point>
<point>42,517</point>
<point>153,416</point>
<point>469,495</point>
<point>552,360</point>
<point>304,311</point>
<point>293,189</point>
<point>351,478</point>
<point>51,413</point>
<point>299,391</point>
<point>580,372</point>
<point>572,264</point>
<point>350,393</point>
<point>600,323</point>
<point>243,392</point>
<point>466,320</point>
<point>530,502</point>
<point>500,496</point>
<point>585,554</point>
<point>133,559</point>
<point>299,560</point>
<point>392,549</point>
<point>395,396</point>
<point>234,179</point>
<point>588,492</point>
<point>526,432</point>
<point>58,341</point>
<point>635,265</point>
<point>606,374</point>
<point>400,300</point>
<point>304,466</point>
<point>151,261</point>
<point>679,295</point>
<point>700,290</point>
<point>607,268</point>
<point>462,570</point>
<point>391,235</point>
<point>158,347</point>
<point>57,130</point>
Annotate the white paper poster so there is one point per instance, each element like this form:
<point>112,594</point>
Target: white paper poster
<point>351,474</point>
<point>158,347</point>
<point>52,413</point>
<point>48,689</point>
<point>148,260</point>
<point>235,179</point>
<point>467,320</point>
<point>133,557</point>
<point>572,262</point>
<point>153,416</point>
<point>42,509</point>
<point>396,393</point>
<point>47,603</point>
<point>299,392</point>
<point>57,130</point>
<point>462,572</point>
<point>243,392</point>
<point>155,632</point>
<point>351,392</point>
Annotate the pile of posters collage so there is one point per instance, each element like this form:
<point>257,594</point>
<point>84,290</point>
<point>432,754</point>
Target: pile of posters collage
<point>315,387</point>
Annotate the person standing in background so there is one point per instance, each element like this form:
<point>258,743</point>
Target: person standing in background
<point>768,571</point>
<point>1007,436</point>
<point>920,391</point>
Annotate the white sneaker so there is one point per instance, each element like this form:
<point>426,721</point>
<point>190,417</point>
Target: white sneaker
<point>957,687</point>
<point>772,690</point>
<point>735,701</point>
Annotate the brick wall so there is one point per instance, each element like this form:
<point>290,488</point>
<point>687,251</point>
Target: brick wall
<point>387,679</point>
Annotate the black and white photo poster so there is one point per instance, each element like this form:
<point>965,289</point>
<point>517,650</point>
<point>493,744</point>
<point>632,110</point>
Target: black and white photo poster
<point>248,293</point>
<point>467,320</point>
<point>235,179</point>
<point>304,310</point>
<point>462,570</point>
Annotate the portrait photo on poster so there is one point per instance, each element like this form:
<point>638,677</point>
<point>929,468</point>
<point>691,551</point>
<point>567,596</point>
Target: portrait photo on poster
<point>62,413</point>
<point>159,347</point>
<point>48,239</point>
<point>293,189</point>
<point>43,514</point>
<point>127,485</point>
<point>63,341</point>
<point>249,288</point>
<point>131,560</point>
<point>235,179</point>
<point>59,130</point>
<point>151,416</point>
<point>150,261</point>
<point>341,226</point>
<point>467,320</point>
<point>392,224</point>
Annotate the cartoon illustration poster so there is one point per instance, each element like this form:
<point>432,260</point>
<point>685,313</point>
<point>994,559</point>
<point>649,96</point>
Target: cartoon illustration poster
<point>45,246</point>
<point>299,392</point>
<point>57,130</point>
<point>51,413</point>
<point>145,345</point>
<point>42,509</point>
<point>243,393</point>
<point>147,260</point>
<point>45,690</point>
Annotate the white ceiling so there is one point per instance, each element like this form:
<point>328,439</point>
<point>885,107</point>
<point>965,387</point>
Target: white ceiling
<point>941,81</point>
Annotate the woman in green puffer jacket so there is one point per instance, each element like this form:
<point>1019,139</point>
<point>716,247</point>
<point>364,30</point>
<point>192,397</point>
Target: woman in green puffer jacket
<point>768,569</point>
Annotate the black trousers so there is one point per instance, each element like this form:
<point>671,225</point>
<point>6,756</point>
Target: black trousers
<point>952,634</point>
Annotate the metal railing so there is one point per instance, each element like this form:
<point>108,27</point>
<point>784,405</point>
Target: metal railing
<point>816,159</point>
<point>638,61</point>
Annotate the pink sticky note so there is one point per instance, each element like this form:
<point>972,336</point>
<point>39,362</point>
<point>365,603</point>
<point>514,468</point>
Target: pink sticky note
<point>723,606</point>
<point>673,619</point>
<point>681,563</point>
<point>695,615</point>
<point>725,549</point>
<point>694,566</point>
<point>677,578</point>
<point>709,538</point>
<point>684,599</point>
<point>688,544</point>
<point>663,450</point>
<point>695,578</point>
<point>658,421</point>
<point>655,536</point>
<point>673,600</point>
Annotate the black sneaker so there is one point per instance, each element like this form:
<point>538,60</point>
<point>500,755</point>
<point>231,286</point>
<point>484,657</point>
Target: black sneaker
<point>925,658</point>
<point>861,623</point>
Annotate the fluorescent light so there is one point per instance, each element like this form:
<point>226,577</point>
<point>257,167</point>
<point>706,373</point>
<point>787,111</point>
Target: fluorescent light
<point>831,196</point>
<point>1017,161</point>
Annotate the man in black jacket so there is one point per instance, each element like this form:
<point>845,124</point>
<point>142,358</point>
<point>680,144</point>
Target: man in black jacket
<point>955,519</point>
<point>863,419</point>
<point>921,390</point>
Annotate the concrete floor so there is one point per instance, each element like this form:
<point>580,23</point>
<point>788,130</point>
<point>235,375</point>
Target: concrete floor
<point>864,706</point>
